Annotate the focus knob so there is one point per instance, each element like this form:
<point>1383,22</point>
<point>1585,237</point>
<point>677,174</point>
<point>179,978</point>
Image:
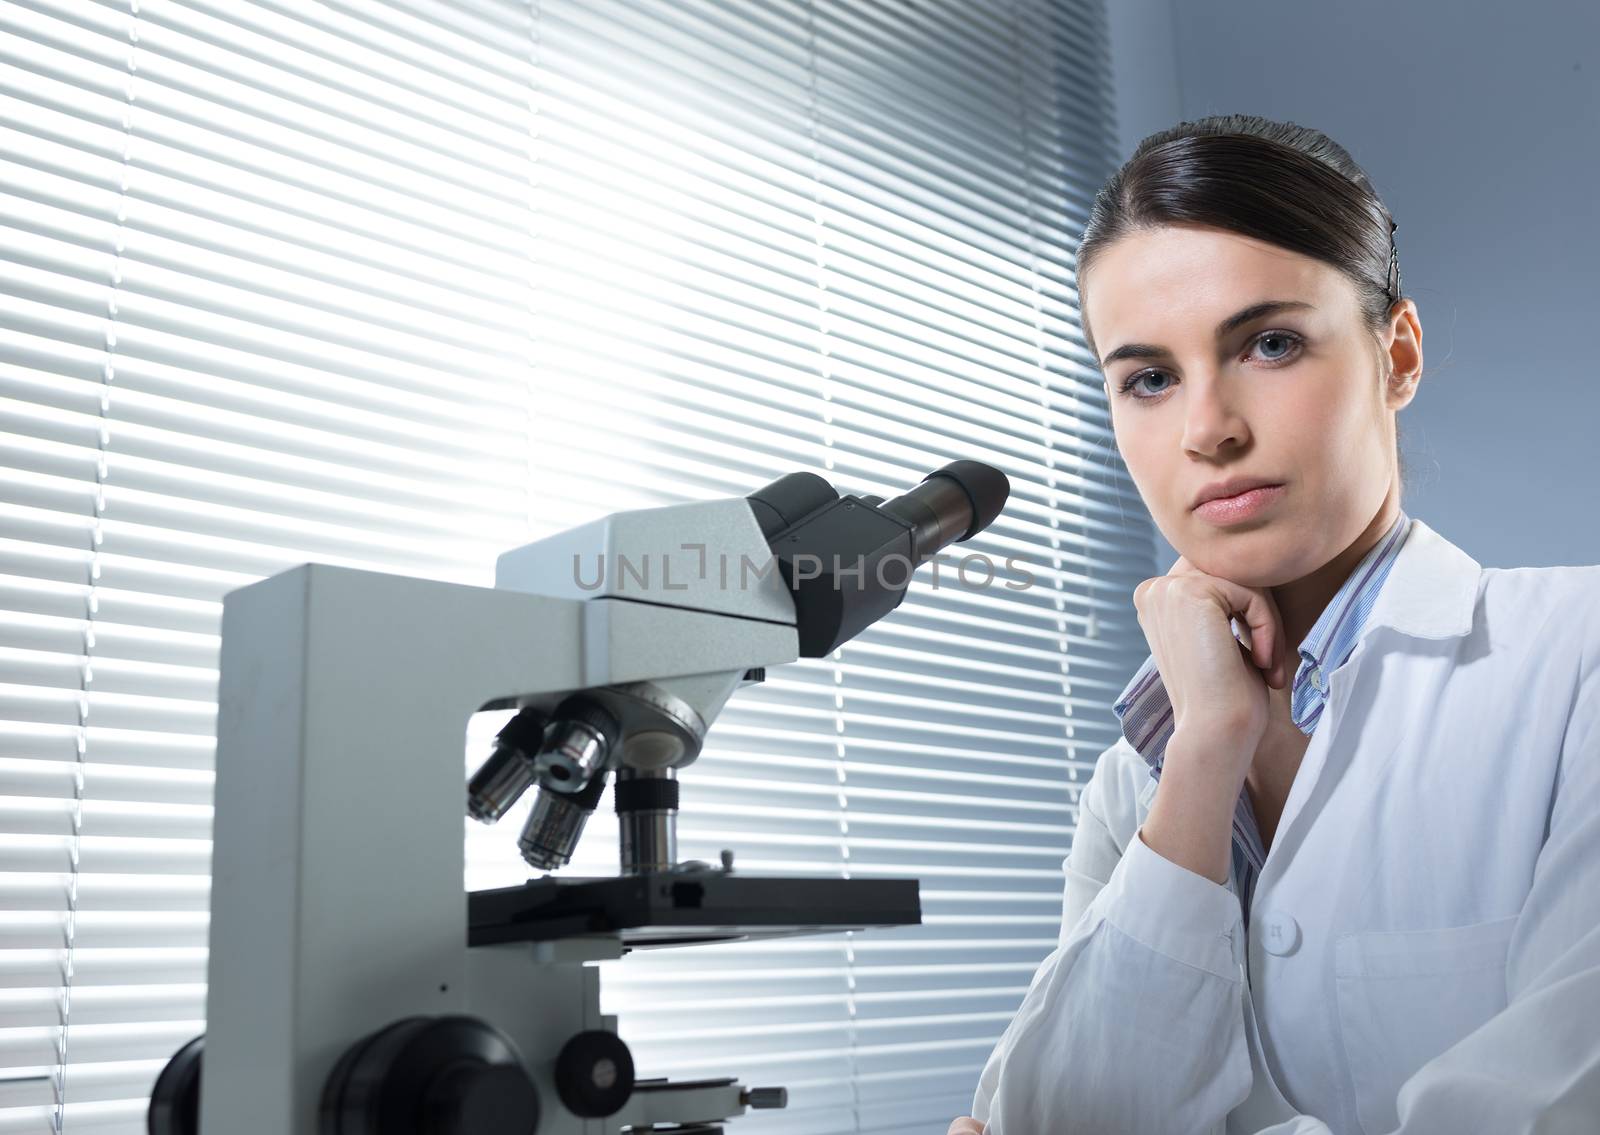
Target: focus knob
<point>594,1074</point>
<point>431,1076</point>
<point>175,1099</point>
<point>495,1098</point>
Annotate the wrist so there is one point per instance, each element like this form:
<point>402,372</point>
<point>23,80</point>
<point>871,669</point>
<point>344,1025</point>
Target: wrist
<point>1219,753</point>
<point>1191,818</point>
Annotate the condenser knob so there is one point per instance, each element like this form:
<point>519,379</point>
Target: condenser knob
<point>431,1076</point>
<point>594,1074</point>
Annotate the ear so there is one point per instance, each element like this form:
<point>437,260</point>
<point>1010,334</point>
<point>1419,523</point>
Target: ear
<point>1402,343</point>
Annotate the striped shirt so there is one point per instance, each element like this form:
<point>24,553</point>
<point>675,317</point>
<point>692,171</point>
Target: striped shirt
<point>1145,711</point>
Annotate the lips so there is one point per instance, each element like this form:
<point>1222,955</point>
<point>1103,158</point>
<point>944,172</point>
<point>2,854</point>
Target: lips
<point>1231,488</point>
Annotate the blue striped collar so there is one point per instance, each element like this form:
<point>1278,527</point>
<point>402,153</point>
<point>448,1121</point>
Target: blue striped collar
<point>1145,711</point>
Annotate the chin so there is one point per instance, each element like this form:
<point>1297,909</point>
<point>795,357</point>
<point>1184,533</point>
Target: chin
<point>1268,563</point>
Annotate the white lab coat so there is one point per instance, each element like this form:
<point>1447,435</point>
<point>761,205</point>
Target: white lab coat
<point>1423,953</point>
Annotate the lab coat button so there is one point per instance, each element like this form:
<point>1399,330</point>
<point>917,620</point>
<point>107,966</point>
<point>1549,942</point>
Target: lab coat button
<point>1280,934</point>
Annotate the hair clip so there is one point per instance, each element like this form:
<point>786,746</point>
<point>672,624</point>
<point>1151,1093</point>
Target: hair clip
<point>1394,263</point>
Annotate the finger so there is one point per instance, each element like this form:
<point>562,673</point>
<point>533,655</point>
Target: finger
<point>1263,620</point>
<point>1288,652</point>
<point>1274,660</point>
<point>1278,654</point>
<point>1267,650</point>
<point>1259,613</point>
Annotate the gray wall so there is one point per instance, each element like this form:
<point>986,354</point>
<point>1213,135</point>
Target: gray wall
<point>1480,126</point>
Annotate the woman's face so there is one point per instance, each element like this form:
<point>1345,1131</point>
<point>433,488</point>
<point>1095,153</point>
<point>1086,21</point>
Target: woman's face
<point>1296,394</point>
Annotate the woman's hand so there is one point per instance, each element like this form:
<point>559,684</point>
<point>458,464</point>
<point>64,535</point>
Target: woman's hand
<point>965,1125</point>
<point>1218,688</point>
<point>1220,702</point>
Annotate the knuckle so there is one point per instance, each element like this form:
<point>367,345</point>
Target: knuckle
<point>1190,587</point>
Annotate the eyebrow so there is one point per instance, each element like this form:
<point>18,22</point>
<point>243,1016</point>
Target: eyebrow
<point>1225,328</point>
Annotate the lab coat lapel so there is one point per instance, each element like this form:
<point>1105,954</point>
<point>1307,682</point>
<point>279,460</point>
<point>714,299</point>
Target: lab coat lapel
<point>1432,589</point>
<point>1431,592</point>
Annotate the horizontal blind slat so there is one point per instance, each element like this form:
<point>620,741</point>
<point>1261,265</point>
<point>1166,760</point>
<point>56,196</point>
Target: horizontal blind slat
<point>686,249</point>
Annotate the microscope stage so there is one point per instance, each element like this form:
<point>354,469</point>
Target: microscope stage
<point>681,908</point>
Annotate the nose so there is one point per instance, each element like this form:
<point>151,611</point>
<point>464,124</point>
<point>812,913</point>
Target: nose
<point>1211,418</point>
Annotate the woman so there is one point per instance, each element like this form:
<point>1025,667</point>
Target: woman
<point>1342,871</point>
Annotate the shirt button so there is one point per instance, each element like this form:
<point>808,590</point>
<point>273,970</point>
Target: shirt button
<point>1280,934</point>
<point>1316,680</point>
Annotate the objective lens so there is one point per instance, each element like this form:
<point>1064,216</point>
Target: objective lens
<point>577,745</point>
<point>510,769</point>
<point>555,825</point>
<point>573,752</point>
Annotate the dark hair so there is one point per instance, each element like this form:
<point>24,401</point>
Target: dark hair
<point>1277,182</point>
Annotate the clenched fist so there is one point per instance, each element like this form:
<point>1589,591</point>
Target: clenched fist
<point>1217,684</point>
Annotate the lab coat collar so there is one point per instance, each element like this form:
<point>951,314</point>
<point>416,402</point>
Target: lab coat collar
<point>1431,593</point>
<point>1432,589</point>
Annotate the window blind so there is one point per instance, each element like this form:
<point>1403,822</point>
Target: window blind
<point>401,285</point>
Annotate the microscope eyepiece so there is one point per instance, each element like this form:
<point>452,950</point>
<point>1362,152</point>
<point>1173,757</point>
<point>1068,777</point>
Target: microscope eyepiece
<point>952,504</point>
<point>986,489</point>
<point>875,545</point>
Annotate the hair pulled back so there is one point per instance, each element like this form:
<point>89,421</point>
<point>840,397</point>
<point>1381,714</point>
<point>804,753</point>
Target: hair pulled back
<point>1277,182</point>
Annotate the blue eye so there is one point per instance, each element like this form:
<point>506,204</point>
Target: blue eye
<point>1142,375</point>
<point>1286,344</point>
<point>1276,337</point>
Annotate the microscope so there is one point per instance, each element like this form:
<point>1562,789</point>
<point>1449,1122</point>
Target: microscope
<point>355,986</point>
